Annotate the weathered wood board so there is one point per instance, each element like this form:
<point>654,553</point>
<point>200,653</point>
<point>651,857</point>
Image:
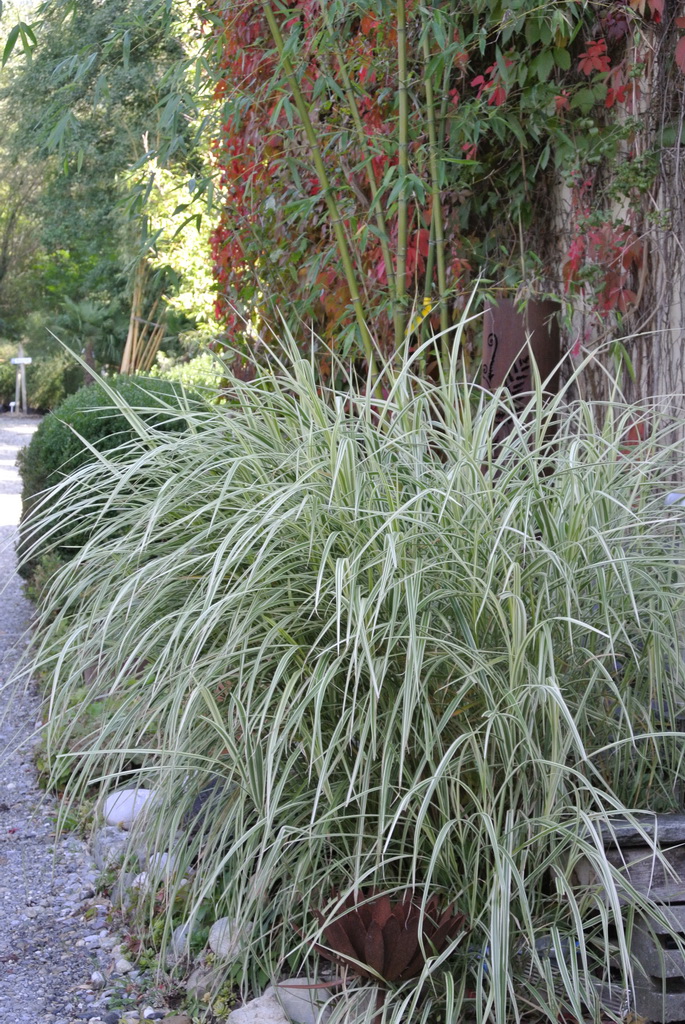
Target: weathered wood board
<point>660,876</point>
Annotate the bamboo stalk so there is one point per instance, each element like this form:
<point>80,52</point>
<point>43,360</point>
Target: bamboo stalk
<point>127,358</point>
<point>152,348</point>
<point>130,354</point>
<point>436,212</point>
<point>336,219</point>
<point>147,348</point>
<point>371,176</point>
<point>403,153</point>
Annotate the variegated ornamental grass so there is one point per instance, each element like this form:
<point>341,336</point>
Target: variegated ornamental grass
<point>392,656</point>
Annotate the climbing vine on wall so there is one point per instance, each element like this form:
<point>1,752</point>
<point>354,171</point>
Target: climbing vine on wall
<point>376,156</point>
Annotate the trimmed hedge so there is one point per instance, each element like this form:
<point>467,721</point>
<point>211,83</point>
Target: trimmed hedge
<point>57,448</point>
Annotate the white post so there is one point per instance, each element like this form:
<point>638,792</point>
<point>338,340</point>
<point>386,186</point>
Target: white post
<point>20,361</point>
<point>22,368</point>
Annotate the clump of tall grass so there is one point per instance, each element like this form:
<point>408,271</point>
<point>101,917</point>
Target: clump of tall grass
<point>367,642</point>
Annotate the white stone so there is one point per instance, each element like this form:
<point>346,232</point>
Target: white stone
<point>162,863</point>
<point>203,981</point>
<point>97,979</point>
<point>180,940</point>
<point>120,895</point>
<point>224,939</point>
<point>108,846</point>
<point>123,966</point>
<point>124,807</point>
<point>264,1010</point>
<point>302,1003</point>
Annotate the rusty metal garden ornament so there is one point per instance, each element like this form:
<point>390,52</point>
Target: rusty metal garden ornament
<point>512,340</point>
<point>387,940</point>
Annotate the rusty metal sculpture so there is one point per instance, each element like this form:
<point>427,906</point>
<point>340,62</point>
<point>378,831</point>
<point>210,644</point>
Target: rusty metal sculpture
<point>512,342</point>
<point>387,940</point>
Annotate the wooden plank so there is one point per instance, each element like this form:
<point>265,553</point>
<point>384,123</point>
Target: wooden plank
<point>662,877</point>
<point>663,829</point>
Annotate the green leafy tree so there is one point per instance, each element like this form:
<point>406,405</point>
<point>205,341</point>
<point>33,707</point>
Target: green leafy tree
<point>90,107</point>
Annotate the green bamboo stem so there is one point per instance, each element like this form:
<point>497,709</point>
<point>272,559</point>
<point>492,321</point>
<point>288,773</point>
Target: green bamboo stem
<point>436,213</point>
<point>371,175</point>
<point>403,155</point>
<point>361,137</point>
<point>331,204</point>
<point>430,264</point>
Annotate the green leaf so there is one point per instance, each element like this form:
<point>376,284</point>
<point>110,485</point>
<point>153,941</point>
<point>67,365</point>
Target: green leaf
<point>523,74</point>
<point>10,44</point>
<point>532,31</point>
<point>58,133</point>
<point>543,65</point>
<point>515,126</point>
<point>584,100</point>
<point>562,58</point>
<point>126,49</point>
<point>101,89</point>
<point>28,39</point>
<point>622,358</point>
<point>544,158</point>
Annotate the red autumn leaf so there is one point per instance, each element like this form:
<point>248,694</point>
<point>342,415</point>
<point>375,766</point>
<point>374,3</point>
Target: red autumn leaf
<point>368,24</point>
<point>497,97</point>
<point>680,54</point>
<point>561,102</point>
<point>656,9</point>
<point>615,25</point>
<point>422,241</point>
<point>459,266</point>
<point>595,58</point>
<point>615,96</point>
<point>632,255</point>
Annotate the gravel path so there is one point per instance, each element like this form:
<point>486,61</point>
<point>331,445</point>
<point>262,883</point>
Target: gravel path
<point>53,933</point>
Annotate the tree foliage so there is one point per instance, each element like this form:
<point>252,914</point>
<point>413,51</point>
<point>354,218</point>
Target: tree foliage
<point>482,140</point>
<point>88,109</point>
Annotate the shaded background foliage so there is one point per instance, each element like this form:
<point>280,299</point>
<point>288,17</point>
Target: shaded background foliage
<point>87,206</point>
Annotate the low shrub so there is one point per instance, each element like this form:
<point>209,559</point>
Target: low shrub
<point>203,372</point>
<point>88,422</point>
<point>401,656</point>
<point>50,378</point>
